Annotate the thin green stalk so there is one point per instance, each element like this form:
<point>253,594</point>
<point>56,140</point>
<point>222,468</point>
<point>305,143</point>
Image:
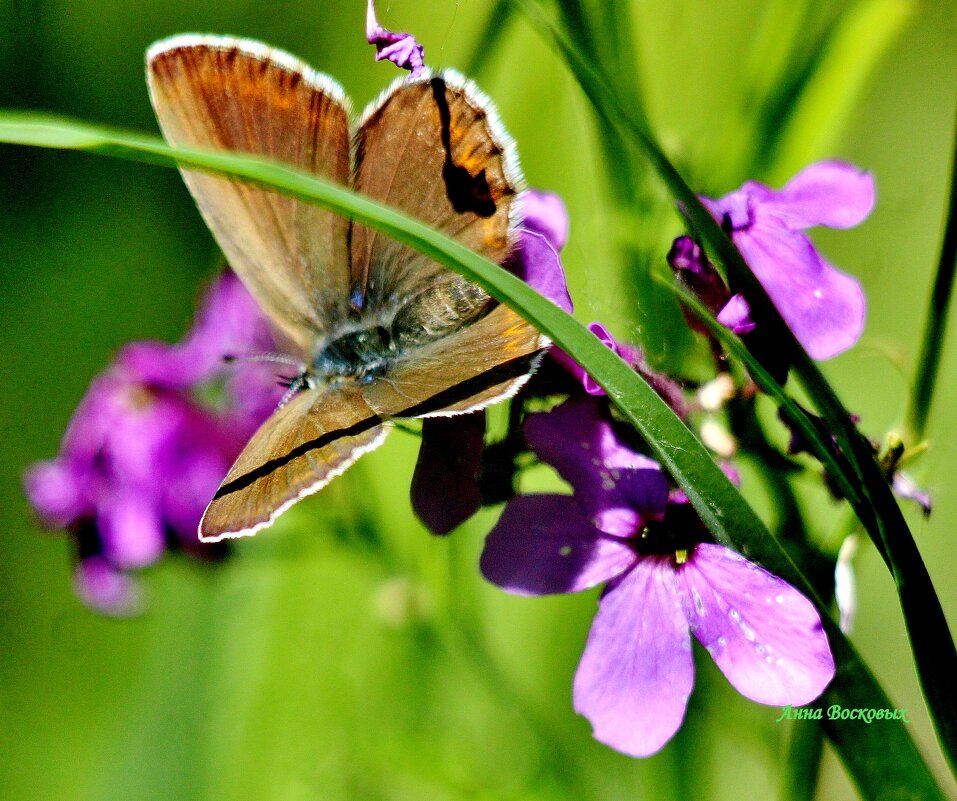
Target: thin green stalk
<point>493,32</point>
<point>803,764</point>
<point>935,325</point>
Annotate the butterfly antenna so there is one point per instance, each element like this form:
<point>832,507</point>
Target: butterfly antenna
<point>271,358</point>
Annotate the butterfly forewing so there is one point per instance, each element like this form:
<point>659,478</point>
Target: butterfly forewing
<point>433,148</point>
<point>296,452</point>
<point>239,95</point>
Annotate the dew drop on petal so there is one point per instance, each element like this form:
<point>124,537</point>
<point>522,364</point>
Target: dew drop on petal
<point>565,550</point>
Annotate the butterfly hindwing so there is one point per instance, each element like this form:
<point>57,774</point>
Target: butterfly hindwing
<point>462,372</point>
<point>296,452</point>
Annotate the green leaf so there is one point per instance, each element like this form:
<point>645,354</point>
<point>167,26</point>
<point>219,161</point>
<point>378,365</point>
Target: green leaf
<point>720,505</point>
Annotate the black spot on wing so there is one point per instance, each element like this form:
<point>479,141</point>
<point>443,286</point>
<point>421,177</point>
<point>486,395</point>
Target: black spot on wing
<point>466,192</point>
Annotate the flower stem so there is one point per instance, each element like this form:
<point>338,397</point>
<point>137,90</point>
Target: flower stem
<point>925,382</point>
<point>803,765</point>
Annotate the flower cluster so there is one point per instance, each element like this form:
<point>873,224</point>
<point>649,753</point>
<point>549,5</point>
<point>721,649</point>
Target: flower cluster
<point>149,444</point>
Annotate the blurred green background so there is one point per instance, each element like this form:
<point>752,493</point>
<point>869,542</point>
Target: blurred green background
<point>345,654</point>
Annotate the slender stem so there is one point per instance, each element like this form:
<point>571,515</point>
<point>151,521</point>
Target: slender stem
<point>803,765</point>
<point>496,26</point>
<point>935,326</point>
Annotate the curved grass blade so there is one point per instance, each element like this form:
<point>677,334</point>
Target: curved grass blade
<point>938,309</point>
<point>720,505</point>
<point>931,641</point>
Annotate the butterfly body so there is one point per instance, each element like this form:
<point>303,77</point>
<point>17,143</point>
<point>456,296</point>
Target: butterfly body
<point>381,330</point>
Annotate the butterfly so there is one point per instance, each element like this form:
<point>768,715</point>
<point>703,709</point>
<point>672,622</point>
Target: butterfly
<point>382,332</point>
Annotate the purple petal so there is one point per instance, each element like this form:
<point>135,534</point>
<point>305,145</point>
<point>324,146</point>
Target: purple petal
<point>588,383</point>
<point>544,212</point>
<point>106,590</point>
<point>906,487</point>
<point>445,488</point>
<point>636,674</point>
<point>736,315</point>
<point>765,636</point>
<point>580,443</point>
<point>131,528</point>
<point>829,193</point>
<point>189,487</point>
<point>824,307</point>
<point>401,49</point>
<point>56,489</point>
<point>542,544</point>
<point>537,263</point>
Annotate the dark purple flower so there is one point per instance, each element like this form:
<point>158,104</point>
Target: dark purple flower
<point>824,307</point>
<point>401,49</point>
<point>445,486</point>
<point>637,671</point>
<point>699,275</point>
<point>143,455</point>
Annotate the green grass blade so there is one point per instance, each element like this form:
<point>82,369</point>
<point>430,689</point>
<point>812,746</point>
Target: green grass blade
<point>935,321</point>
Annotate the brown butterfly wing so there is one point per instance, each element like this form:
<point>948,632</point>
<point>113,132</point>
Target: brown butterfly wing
<point>296,452</point>
<point>462,372</point>
<point>235,94</point>
<point>435,148</point>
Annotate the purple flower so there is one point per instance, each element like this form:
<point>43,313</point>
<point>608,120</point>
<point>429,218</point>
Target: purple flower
<point>824,307</point>
<point>445,485</point>
<point>637,671</point>
<point>401,49</point>
<point>142,455</point>
<point>542,235</point>
<point>693,269</point>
